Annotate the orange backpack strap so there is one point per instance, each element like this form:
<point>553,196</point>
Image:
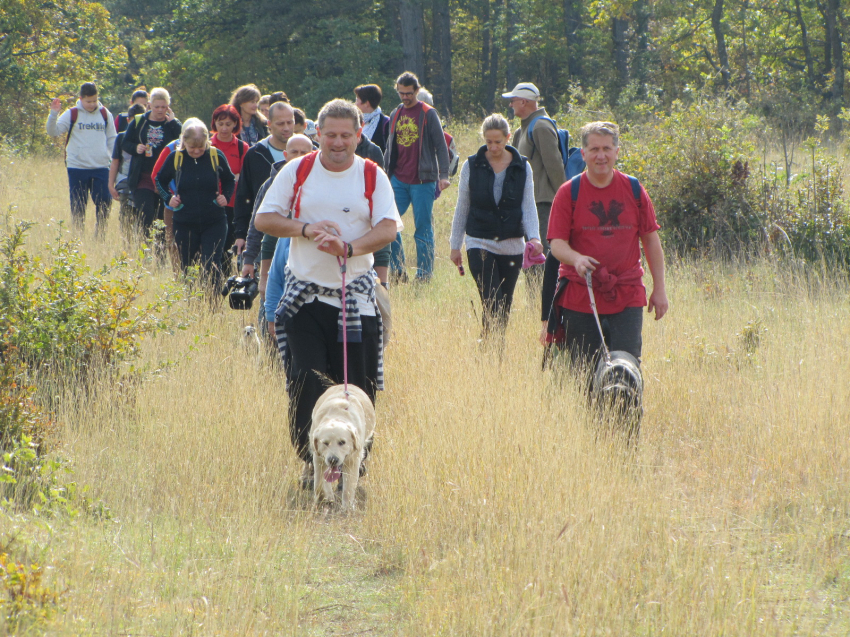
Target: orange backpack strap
<point>370,175</point>
<point>301,173</point>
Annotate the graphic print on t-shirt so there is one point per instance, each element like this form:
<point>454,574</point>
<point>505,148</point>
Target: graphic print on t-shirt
<point>407,132</point>
<point>608,220</point>
<point>155,136</point>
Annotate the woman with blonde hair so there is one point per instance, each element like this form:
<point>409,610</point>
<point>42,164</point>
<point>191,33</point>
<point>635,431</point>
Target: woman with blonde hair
<point>246,100</point>
<point>202,184</point>
<point>495,210</point>
<point>146,137</point>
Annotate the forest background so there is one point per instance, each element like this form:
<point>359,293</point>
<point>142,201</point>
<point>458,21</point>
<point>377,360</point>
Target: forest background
<point>786,58</point>
<point>127,508</point>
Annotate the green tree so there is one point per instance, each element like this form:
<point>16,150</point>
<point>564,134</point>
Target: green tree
<point>47,49</point>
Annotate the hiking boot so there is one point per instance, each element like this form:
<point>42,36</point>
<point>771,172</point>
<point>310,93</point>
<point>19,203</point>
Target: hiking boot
<point>307,477</point>
<point>399,277</point>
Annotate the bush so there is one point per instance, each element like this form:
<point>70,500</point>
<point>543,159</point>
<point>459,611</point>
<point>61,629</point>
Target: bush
<point>66,321</point>
<point>695,165</point>
<point>25,600</point>
<point>63,324</point>
<point>713,195</point>
<point>20,416</point>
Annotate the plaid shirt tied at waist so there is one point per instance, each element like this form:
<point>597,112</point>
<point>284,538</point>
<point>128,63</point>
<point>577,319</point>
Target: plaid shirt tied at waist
<point>298,291</point>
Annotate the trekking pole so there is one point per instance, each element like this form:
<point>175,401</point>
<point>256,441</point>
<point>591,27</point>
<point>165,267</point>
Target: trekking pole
<point>588,275</point>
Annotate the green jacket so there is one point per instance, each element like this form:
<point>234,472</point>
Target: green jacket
<point>543,155</point>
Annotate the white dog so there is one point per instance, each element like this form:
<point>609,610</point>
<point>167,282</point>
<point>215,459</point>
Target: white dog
<point>341,431</point>
<point>252,345</point>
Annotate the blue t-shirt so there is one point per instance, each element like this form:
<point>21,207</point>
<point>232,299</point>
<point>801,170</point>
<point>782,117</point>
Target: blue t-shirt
<point>277,155</point>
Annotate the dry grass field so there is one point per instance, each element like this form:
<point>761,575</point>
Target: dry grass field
<point>494,506</point>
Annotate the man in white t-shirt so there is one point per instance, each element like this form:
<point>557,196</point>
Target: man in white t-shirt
<point>329,216</point>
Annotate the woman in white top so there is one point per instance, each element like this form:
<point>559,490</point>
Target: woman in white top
<point>495,211</point>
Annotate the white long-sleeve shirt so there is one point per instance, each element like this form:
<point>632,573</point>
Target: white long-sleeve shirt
<point>92,139</point>
<point>514,245</point>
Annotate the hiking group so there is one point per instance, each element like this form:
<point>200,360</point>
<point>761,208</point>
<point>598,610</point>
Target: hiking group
<point>297,199</point>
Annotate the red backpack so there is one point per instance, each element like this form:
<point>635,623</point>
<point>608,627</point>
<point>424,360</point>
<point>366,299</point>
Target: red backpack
<point>370,175</point>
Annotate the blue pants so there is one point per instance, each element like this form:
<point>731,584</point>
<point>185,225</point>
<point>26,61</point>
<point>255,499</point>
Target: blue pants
<point>81,183</point>
<point>422,198</point>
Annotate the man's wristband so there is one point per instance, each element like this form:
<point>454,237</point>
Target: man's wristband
<point>304,230</point>
<point>350,250</point>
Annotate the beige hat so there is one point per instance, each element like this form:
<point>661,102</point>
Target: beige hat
<point>524,90</point>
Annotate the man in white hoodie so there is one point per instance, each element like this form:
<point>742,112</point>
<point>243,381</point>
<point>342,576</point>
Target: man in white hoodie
<point>90,130</point>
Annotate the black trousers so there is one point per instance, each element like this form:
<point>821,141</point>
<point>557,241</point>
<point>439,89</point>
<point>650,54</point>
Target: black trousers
<point>149,207</point>
<point>496,276</point>
<point>202,242</point>
<point>315,354</point>
<point>230,239</point>
<point>622,332</point>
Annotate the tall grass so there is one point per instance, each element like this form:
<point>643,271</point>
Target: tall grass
<point>495,505</point>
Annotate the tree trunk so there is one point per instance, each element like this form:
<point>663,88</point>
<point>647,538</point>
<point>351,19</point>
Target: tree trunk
<point>412,37</point>
<point>492,84</point>
<point>619,27</point>
<point>640,62</point>
<point>833,11</point>
<point>510,48</point>
<point>744,6</point>
<point>572,25</point>
<point>828,27</point>
<point>442,79</point>
<point>807,52</point>
<point>720,38</point>
<point>390,33</point>
<point>484,60</point>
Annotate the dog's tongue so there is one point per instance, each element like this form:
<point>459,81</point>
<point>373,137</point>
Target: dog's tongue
<point>332,474</point>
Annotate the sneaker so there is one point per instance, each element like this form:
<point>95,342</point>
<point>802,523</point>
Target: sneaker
<point>307,477</point>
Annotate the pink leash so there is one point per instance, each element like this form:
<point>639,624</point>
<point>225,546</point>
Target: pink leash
<point>343,266</point>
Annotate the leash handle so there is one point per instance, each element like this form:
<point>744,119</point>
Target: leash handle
<point>588,275</point>
<point>343,266</point>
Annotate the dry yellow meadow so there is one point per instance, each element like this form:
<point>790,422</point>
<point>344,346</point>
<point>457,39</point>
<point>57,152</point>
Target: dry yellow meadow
<point>493,504</point>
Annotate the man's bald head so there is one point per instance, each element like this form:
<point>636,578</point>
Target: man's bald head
<point>281,122</point>
<point>297,146</point>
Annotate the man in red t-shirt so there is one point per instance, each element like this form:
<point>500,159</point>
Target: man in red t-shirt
<point>598,224</point>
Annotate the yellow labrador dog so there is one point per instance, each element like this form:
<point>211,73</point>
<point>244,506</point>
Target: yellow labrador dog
<point>341,430</point>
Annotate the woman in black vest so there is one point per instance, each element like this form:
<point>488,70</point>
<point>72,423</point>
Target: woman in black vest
<point>495,210</point>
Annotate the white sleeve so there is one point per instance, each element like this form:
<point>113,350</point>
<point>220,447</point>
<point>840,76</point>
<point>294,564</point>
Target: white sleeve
<point>461,209</point>
<point>530,221</point>
<point>58,124</point>
<point>279,194</point>
<point>383,202</point>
